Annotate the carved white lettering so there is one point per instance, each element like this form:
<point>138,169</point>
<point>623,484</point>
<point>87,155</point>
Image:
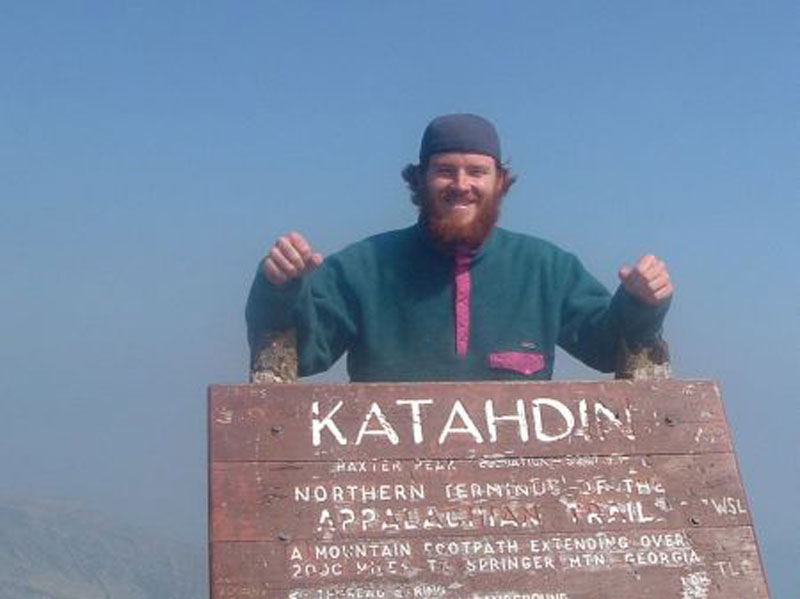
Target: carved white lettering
<point>728,506</point>
<point>492,419</point>
<point>359,493</point>
<point>317,425</point>
<point>625,428</point>
<point>368,519</point>
<point>384,428</point>
<point>468,428</point>
<point>416,416</point>
<point>561,409</point>
<point>670,559</point>
<point>508,563</point>
<point>553,421</point>
<point>583,415</point>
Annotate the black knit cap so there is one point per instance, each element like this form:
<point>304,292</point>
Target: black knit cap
<point>466,133</point>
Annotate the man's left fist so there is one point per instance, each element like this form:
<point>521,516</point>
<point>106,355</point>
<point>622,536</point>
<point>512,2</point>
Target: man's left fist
<point>648,281</point>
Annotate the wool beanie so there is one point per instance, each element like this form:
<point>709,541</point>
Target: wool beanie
<point>467,133</point>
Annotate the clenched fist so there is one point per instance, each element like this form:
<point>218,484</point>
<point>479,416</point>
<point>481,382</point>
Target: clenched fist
<point>648,280</point>
<point>291,257</point>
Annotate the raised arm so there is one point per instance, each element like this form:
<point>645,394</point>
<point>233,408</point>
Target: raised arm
<point>594,325</point>
<point>288,299</point>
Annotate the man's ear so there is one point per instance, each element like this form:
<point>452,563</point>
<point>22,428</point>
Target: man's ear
<point>505,179</point>
<point>417,178</point>
<point>502,181</point>
<point>412,175</point>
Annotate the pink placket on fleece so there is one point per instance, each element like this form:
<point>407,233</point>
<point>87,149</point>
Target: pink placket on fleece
<point>463,287</point>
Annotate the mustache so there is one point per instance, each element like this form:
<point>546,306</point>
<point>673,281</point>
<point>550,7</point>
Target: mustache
<point>450,234</point>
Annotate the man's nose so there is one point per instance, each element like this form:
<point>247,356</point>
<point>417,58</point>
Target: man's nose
<point>462,180</point>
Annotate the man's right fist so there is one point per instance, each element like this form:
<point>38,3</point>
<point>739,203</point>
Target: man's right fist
<point>291,257</point>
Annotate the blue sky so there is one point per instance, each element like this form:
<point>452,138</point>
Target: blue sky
<point>151,152</point>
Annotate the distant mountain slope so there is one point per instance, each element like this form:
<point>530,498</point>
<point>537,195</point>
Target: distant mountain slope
<point>51,550</point>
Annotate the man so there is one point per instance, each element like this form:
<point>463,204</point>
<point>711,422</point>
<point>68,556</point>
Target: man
<point>453,297</point>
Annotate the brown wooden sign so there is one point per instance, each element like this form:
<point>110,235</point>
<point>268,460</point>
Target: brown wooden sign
<point>481,491</point>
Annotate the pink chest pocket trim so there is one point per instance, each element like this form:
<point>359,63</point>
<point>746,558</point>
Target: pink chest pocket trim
<point>523,362</point>
<point>463,291</point>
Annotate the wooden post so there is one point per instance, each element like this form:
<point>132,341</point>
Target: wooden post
<point>276,361</point>
<point>644,361</point>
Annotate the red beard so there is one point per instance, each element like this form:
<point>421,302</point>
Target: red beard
<point>449,234</point>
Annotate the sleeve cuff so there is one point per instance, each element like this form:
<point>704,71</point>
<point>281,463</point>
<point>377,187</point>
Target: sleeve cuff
<point>641,322</point>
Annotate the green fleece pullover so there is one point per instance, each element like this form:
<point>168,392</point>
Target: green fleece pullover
<point>390,302</point>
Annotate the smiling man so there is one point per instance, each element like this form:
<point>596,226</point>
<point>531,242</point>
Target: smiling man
<point>453,297</point>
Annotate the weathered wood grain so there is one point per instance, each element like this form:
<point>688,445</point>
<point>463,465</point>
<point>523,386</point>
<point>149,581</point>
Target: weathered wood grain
<point>713,563</point>
<point>593,490</point>
<point>259,501</point>
<point>274,421</point>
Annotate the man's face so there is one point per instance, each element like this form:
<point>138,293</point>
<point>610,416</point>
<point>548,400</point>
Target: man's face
<point>461,199</point>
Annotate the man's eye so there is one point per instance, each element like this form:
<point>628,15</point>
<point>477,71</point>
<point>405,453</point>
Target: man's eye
<point>477,172</point>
